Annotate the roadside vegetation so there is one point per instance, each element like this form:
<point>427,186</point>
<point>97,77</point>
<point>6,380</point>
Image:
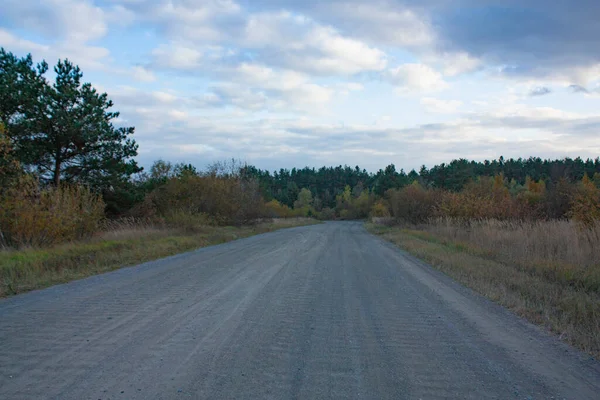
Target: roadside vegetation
<point>528,248</point>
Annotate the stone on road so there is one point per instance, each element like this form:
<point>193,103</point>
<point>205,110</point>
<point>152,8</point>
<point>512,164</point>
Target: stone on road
<point>320,312</point>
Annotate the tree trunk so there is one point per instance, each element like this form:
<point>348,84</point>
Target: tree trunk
<point>57,165</point>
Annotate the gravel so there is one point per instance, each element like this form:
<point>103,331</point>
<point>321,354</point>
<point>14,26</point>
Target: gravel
<point>319,312</point>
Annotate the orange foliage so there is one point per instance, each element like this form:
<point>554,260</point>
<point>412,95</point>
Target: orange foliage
<point>481,199</point>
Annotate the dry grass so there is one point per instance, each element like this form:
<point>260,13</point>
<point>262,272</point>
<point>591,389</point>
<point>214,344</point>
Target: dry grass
<point>547,272</point>
<point>121,243</point>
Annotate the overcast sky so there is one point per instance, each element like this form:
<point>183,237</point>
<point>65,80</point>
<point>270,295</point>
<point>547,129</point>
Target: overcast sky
<point>293,83</point>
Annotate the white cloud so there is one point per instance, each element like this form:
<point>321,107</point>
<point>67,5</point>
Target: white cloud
<point>291,87</point>
<point>87,57</point>
<point>299,43</point>
<point>120,15</point>
<point>164,97</point>
<point>10,41</point>
<point>434,105</point>
<point>67,20</point>
<point>177,56</point>
<point>178,115</point>
<point>195,21</point>
<point>344,88</point>
<point>382,23</point>
<point>141,74</point>
<point>453,64</point>
<point>416,77</point>
<point>269,78</point>
<point>342,55</point>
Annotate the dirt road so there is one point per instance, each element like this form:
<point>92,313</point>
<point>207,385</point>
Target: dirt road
<point>319,312</point>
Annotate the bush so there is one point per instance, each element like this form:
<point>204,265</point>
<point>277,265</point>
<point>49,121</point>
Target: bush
<point>380,210</point>
<point>413,204</point>
<point>275,209</point>
<point>227,200</point>
<point>31,216</point>
<point>326,214</point>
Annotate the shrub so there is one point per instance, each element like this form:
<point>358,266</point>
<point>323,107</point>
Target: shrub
<point>32,216</point>
<point>275,209</point>
<point>326,214</point>
<point>226,199</point>
<point>413,204</point>
<point>380,210</point>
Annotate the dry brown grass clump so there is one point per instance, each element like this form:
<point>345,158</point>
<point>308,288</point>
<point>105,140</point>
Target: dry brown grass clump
<point>563,251</point>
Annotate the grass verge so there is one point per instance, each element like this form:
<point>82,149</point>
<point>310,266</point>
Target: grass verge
<point>565,307</point>
<point>25,270</point>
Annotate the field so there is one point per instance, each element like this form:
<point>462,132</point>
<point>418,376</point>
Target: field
<point>545,271</point>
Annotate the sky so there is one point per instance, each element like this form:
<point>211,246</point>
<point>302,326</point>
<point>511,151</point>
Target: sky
<point>282,83</point>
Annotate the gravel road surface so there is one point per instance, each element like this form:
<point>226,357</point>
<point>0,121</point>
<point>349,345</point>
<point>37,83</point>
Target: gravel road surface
<point>318,312</point>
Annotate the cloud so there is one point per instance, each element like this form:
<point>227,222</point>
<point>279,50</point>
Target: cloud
<point>433,105</point>
<point>291,88</point>
<point>141,74</point>
<point>10,41</point>
<point>273,142</point>
<point>338,55</point>
<point>540,91</point>
<point>68,20</point>
<point>536,39</point>
<point>87,57</point>
<point>282,38</point>
<point>120,15</point>
<point>177,56</point>
<point>384,23</point>
<point>453,64</point>
<point>251,87</point>
<point>416,77</point>
<point>205,22</point>
<point>578,89</point>
<point>297,42</point>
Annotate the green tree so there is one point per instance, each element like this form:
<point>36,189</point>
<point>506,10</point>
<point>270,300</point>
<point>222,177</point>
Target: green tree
<point>305,199</point>
<point>21,85</point>
<point>64,131</point>
<point>9,166</point>
<point>161,170</point>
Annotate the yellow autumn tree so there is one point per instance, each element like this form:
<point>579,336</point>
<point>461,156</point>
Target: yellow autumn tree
<point>585,207</point>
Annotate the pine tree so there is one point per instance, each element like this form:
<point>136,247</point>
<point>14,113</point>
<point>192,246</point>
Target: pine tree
<point>63,131</point>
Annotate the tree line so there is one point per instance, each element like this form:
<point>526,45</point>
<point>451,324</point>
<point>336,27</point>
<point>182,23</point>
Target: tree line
<point>326,184</point>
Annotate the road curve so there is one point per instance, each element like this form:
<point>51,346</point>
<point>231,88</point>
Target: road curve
<point>319,312</point>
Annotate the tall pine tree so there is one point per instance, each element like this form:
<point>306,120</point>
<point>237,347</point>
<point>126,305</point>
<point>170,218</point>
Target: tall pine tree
<point>63,131</point>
